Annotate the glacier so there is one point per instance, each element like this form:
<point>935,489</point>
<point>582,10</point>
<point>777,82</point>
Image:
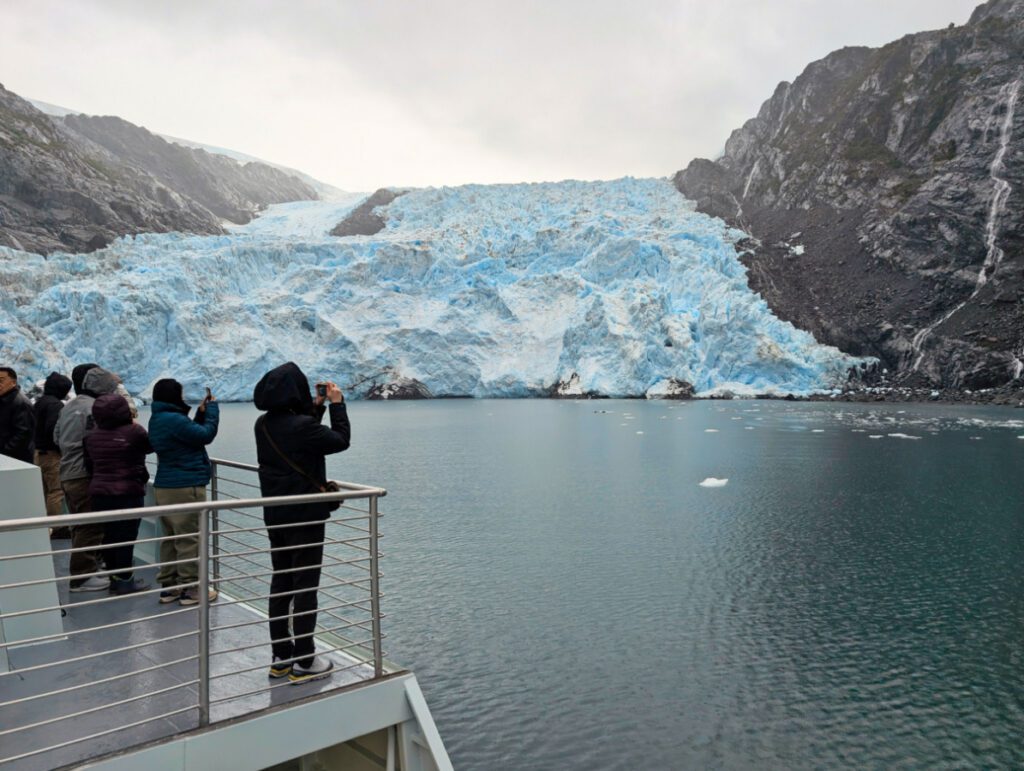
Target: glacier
<point>615,288</point>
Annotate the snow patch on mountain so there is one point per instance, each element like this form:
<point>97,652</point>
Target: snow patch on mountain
<point>496,290</point>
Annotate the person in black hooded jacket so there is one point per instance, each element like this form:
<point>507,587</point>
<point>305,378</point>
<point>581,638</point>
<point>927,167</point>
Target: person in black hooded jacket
<point>289,438</point>
<point>47,409</point>
<point>17,422</point>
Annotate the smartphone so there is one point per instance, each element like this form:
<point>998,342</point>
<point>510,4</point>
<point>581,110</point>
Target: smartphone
<point>321,389</point>
<point>209,393</point>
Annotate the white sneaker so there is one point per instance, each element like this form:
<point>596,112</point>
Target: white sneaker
<point>319,669</point>
<point>92,584</point>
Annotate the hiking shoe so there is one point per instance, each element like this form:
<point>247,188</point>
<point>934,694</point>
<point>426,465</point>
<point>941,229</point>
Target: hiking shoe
<point>171,594</point>
<point>279,669</point>
<point>128,586</point>
<point>91,584</point>
<point>319,669</point>
<point>191,596</point>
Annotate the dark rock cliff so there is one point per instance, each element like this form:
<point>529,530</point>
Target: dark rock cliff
<point>231,190</point>
<point>75,184</point>
<point>363,220</point>
<point>884,193</point>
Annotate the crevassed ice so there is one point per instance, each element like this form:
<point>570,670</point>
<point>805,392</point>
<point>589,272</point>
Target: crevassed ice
<point>483,290</point>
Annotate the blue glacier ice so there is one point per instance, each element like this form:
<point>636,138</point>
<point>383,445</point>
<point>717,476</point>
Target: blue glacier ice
<point>483,290</point>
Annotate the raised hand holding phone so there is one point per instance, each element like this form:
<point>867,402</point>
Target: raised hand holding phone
<point>207,399</point>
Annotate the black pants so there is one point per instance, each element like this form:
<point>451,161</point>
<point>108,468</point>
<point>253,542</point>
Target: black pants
<point>301,601</point>
<point>119,556</point>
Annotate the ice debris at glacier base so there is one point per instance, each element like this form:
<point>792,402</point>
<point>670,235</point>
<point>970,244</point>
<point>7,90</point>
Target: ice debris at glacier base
<point>485,290</point>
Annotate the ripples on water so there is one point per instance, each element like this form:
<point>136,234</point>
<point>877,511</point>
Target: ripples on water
<point>571,598</point>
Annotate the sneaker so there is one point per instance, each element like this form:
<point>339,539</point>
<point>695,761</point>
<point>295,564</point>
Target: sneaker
<point>191,596</point>
<point>127,586</point>
<point>319,669</point>
<point>279,669</point>
<point>170,594</point>
<point>91,584</point>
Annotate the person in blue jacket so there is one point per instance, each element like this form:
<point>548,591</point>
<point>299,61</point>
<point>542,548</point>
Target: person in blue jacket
<point>182,474</point>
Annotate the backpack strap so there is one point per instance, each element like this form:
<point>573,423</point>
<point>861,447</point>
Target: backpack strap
<point>294,466</point>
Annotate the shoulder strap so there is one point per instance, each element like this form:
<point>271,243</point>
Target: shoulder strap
<point>295,467</point>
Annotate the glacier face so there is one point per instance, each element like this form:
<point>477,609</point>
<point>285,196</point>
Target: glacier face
<point>482,290</point>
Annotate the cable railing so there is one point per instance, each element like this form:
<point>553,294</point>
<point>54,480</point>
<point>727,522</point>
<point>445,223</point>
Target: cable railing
<point>161,664</point>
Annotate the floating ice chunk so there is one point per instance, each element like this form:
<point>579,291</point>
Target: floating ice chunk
<point>710,430</point>
<point>639,432</point>
<point>975,438</point>
<point>874,436</point>
<point>749,428</point>
<point>714,482</point>
<point>903,436</point>
<point>817,430</point>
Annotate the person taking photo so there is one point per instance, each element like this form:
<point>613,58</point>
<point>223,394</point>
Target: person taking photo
<point>291,447</point>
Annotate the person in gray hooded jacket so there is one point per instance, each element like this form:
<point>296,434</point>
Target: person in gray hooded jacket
<point>91,382</point>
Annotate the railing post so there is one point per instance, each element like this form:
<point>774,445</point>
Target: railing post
<point>204,617</point>
<point>378,658</point>
<point>215,520</point>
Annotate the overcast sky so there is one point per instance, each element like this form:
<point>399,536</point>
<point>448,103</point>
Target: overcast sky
<point>372,93</point>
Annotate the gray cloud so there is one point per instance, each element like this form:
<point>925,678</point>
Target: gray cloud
<point>365,93</point>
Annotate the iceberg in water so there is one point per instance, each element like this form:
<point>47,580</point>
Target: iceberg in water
<point>714,482</point>
<point>485,290</point>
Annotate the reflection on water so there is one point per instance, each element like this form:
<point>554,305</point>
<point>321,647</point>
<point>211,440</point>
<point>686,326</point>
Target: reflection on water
<point>571,598</point>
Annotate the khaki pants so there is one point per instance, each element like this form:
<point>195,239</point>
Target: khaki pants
<point>186,527</point>
<point>49,464</point>
<point>76,495</point>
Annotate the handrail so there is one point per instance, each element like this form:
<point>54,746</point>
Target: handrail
<point>350,577</point>
<point>95,518</point>
<point>251,467</point>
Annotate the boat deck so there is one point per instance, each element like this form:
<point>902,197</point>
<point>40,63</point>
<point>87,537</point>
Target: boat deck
<point>158,702</point>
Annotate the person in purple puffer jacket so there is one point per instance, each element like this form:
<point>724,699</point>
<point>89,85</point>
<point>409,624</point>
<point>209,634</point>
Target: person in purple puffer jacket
<point>115,454</point>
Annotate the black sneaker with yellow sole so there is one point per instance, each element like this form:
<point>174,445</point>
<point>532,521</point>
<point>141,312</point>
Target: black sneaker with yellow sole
<point>317,670</point>
<point>279,669</point>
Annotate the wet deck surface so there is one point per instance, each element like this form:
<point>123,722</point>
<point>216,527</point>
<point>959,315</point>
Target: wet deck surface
<point>168,687</point>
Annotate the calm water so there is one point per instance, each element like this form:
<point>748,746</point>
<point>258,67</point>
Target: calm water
<point>571,598</point>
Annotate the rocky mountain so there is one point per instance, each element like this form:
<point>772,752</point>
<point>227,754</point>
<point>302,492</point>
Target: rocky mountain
<point>75,183</point>
<point>883,191</point>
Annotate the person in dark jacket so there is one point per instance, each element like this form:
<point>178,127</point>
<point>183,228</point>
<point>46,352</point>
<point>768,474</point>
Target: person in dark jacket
<point>47,409</point>
<point>115,454</point>
<point>17,422</point>
<point>182,474</point>
<point>291,445</point>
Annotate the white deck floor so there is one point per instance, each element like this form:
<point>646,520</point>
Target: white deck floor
<point>169,679</point>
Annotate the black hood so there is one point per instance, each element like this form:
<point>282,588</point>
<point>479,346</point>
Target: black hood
<point>284,388</point>
<point>78,375</point>
<point>170,391</point>
<point>57,385</point>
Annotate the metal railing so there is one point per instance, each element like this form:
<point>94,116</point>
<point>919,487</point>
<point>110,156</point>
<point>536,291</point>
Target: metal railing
<point>228,634</point>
